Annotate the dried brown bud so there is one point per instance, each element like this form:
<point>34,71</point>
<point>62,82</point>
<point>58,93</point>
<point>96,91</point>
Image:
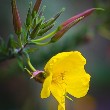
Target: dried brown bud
<point>16,18</point>
<point>36,6</point>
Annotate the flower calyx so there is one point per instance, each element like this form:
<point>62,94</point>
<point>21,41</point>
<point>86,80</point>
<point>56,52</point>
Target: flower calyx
<point>38,75</point>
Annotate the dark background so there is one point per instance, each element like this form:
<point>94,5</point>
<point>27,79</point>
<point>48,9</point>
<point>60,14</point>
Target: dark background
<point>91,37</point>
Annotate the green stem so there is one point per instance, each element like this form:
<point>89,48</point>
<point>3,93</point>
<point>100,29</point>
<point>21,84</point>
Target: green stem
<point>45,37</point>
<point>30,65</point>
<point>28,62</point>
<point>42,44</point>
<point>20,51</point>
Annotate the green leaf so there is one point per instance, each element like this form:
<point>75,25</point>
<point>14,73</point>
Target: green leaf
<point>35,30</point>
<point>20,62</point>
<point>15,44</point>
<point>52,20</point>
<point>10,42</point>
<point>41,12</point>
<point>25,36</point>
<point>43,31</point>
<point>29,16</point>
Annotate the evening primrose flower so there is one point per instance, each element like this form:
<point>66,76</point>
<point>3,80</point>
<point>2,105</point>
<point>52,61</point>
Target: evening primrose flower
<point>65,74</point>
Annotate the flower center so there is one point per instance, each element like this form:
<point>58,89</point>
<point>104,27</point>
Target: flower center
<point>60,78</point>
<point>60,81</point>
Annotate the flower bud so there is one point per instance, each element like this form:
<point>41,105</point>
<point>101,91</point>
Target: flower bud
<point>53,19</point>
<point>29,17</point>
<point>35,30</point>
<point>16,18</point>
<point>65,26</point>
<point>81,15</point>
<point>43,31</point>
<point>36,6</point>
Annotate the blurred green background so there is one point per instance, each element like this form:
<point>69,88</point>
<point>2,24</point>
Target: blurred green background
<point>91,37</point>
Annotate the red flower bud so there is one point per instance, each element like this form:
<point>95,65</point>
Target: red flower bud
<point>65,26</point>
<point>37,5</point>
<point>16,18</point>
<point>83,15</point>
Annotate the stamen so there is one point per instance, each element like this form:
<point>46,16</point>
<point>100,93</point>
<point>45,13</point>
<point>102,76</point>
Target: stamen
<point>68,97</point>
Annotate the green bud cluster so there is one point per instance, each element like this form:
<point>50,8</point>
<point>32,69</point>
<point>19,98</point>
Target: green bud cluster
<point>34,31</point>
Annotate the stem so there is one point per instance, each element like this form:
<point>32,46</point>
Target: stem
<point>30,65</point>
<point>22,48</point>
<point>42,44</point>
<point>28,62</point>
<point>45,37</point>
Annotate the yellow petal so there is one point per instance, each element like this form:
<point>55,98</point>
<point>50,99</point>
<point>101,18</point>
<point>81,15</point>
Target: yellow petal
<point>68,75</point>
<point>78,86</point>
<point>46,87</point>
<point>58,92</point>
<point>60,107</point>
<point>64,62</point>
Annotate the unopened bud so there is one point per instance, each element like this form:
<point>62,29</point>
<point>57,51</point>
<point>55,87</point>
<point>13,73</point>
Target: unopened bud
<point>65,26</point>
<point>53,19</point>
<point>29,16</point>
<point>16,18</point>
<point>35,30</point>
<point>80,16</point>
<point>43,31</point>
<point>37,6</point>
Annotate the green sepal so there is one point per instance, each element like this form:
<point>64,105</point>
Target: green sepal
<point>35,30</point>
<point>43,31</point>
<point>41,12</point>
<point>52,20</point>
<point>29,17</point>
<point>12,43</point>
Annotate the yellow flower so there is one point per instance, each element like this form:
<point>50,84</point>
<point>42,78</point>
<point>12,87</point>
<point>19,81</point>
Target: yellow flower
<point>65,74</point>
